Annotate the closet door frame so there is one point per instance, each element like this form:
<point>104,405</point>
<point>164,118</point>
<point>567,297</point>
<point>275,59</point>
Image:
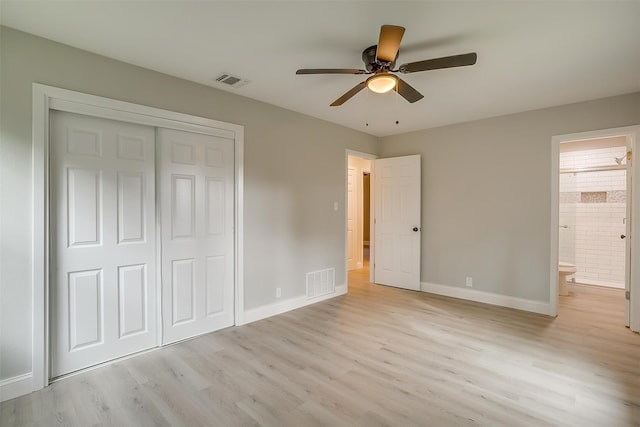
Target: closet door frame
<point>46,98</point>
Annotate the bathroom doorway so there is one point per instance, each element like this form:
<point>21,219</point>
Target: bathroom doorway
<point>593,211</point>
<point>592,178</point>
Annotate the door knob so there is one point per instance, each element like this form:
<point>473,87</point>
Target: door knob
<point>622,236</point>
<point>416,229</point>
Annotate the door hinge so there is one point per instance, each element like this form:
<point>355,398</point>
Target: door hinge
<point>627,295</point>
<point>629,156</point>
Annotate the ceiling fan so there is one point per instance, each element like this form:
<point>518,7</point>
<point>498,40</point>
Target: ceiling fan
<point>380,59</point>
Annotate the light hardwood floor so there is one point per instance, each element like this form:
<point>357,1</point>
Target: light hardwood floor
<point>377,356</point>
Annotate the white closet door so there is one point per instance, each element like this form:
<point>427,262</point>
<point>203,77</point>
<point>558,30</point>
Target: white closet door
<point>197,220</point>
<point>103,246</point>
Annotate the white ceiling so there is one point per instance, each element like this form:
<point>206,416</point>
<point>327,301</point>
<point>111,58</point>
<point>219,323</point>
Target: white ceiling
<point>531,54</point>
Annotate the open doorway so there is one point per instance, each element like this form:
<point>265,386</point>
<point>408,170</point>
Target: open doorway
<point>592,228</point>
<point>358,214</point>
<point>592,208</point>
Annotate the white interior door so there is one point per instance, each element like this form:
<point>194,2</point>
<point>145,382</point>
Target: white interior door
<point>197,224</point>
<point>397,221</point>
<point>103,246</point>
<point>627,261</point>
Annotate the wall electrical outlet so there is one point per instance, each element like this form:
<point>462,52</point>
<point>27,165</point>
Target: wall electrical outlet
<point>469,282</point>
<point>278,292</point>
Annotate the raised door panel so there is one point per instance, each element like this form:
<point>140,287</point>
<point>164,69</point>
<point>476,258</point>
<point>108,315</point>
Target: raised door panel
<point>84,142</point>
<point>86,309</point>
<point>215,158</point>
<point>215,214</point>
<point>84,212</point>
<point>183,206</point>
<point>131,204</point>
<point>182,152</point>
<point>183,291</point>
<point>385,248</point>
<point>131,148</point>
<point>132,293</point>
<point>216,277</point>
<point>386,203</point>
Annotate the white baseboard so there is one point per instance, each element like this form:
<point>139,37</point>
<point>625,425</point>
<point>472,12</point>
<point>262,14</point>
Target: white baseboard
<point>488,298</point>
<point>16,386</point>
<point>280,307</point>
<point>581,281</point>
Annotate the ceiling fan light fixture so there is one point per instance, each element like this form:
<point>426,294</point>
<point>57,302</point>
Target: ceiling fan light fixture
<point>382,83</point>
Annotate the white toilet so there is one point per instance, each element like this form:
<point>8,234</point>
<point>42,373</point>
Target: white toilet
<point>564,269</point>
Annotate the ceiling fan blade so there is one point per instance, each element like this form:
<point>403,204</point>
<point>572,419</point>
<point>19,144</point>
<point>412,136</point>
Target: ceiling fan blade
<point>438,63</point>
<point>408,92</point>
<point>389,42</point>
<point>330,71</point>
<point>347,96</point>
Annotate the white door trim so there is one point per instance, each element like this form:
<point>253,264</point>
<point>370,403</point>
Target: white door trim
<point>632,132</point>
<point>46,98</point>
<point>372,246</point>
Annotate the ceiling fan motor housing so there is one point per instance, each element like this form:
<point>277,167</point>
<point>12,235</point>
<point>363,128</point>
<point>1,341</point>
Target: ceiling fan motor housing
<point>371,64</point>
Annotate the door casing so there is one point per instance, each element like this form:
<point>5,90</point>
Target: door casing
<point>46,98</point>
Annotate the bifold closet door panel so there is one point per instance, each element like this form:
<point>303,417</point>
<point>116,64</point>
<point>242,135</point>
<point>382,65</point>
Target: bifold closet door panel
<point>196,191</point>
<point>103,240</point>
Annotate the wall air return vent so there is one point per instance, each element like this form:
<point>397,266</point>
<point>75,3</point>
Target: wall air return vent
<point>229,79</point>
<point>321,282</point>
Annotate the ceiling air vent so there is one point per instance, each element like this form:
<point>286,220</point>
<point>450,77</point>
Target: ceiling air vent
<point>231,80</point>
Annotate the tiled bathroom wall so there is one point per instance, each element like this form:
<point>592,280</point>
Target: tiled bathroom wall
<point>592,216</point>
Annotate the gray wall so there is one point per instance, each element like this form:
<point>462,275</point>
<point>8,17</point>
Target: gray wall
<point>486,196</point>
<point>486,184</point>
<point>294,171</point>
